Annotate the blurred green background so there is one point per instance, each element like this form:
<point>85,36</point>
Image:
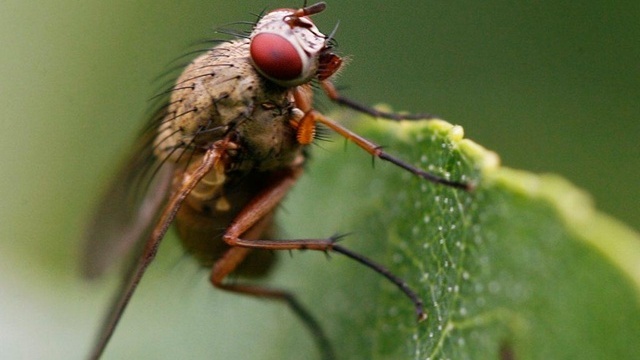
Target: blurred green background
<point>551,87</point>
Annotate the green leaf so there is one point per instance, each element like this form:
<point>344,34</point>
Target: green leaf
<point>523,267</point>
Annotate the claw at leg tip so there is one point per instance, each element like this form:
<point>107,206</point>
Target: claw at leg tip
<point>422,316</point>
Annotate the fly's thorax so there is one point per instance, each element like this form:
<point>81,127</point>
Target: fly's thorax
<point>217,90</point>
<point>257,147</point>
<point>267,139</point>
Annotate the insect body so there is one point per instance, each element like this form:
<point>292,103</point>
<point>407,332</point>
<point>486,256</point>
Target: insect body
<point>222,102</point>
<point>224,151</point>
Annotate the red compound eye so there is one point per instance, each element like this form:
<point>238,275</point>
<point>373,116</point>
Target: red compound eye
<point>276,57</point>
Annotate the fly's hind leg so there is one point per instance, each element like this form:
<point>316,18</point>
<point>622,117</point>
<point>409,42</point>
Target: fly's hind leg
<point>230,261</point>
<point>261,206</point>
<point>255,213</point>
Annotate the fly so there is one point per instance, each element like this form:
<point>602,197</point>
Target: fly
<point>222,153</point>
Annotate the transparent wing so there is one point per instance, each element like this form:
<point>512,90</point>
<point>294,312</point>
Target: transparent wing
<point>128,208</point>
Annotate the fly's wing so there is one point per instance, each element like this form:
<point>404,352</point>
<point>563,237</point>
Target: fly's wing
<point>128,208</point>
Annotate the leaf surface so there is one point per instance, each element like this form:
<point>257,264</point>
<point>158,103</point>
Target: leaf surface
<point>523,267</point>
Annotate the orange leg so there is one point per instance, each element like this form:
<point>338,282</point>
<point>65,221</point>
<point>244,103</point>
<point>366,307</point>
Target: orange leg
<point>306,127</point>
<point>262,205</point>
<point>231,259</point>
<point>135,273</point>
<point>251,216</point>
<point>306,130</point>
<point>259,207</point>
<point>377,151</point>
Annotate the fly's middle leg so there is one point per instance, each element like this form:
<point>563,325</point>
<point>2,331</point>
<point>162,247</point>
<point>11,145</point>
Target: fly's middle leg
<point>262,205</point>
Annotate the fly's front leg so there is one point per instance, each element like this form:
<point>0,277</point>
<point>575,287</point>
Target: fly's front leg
<point>335,96</point>
<point>305,129</point>
<point>377,151</point>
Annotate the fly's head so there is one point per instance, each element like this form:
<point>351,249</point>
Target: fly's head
<point>288,49</point>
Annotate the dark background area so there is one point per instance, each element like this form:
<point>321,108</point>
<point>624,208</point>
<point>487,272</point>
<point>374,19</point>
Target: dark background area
<point>551,87</point>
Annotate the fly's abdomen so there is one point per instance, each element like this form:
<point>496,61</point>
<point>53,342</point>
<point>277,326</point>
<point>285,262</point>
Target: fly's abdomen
<point>201,223</point>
